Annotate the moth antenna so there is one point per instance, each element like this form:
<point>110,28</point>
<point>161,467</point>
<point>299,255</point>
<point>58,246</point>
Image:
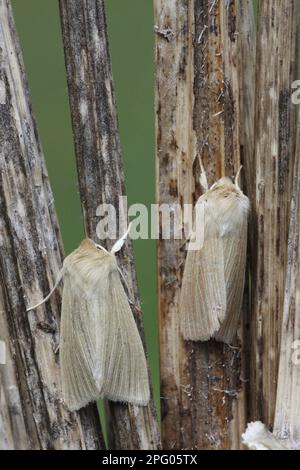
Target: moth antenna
<point>236,179</point>
<point>101,247</point>
<point>203,178</point>
<point>50,293</point>
<point>127,287</point>
<point>119,243</point>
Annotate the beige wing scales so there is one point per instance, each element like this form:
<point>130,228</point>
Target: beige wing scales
<point>235,251</point>
<point>126,377</point>
<point>101,350</point>
<point>203,295</point>
<point>77,345</point>
<point>213,279</point>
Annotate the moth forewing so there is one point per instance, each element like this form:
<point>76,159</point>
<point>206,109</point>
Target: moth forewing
<point>80,324</point>
<point>213,278</point>
<point>101,350</point>
<point>77,348</point>
<point>203,309</point>
<point>235,250</point>
<point>127,376</point>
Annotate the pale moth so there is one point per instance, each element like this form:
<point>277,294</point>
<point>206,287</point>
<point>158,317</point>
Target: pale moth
<point>213,278</point>
<point>101,352</point>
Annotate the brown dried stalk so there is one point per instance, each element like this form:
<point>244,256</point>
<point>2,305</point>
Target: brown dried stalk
<point>32,415</point>
<point>100,173</point>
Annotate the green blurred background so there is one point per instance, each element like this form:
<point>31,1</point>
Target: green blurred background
<point>130,28</point>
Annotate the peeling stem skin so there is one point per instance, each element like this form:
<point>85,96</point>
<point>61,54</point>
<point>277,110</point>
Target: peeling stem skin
<point>274,154</point>
<point>13,433</point>
<point>32,415</point>
<point>197,112</point>
<point>287,412</point>
<point>101,178</point>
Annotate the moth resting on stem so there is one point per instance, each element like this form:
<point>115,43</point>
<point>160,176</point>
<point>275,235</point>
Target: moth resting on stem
<point>213,278</point>
<point>101,352</point>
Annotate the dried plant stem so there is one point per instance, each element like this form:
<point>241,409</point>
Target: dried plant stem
<point>287,425</point>
<point>32,415</point>
<point>274,162</point>
<point>198,84</point>
<point>100,173</point>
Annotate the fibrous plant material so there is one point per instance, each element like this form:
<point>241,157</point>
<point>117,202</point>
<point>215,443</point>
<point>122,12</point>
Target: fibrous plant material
<point>32,415</point>
<point>101,178</point>
<point>258,437</point>
<point>287,411</point>
<point>274,155</point>
<point>198,82</point>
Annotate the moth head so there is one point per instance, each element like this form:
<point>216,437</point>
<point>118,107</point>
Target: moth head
<point>226,185</point>
<point>225,188</point>
<point>87,254</point>
<point>227,206</point>
<point>224,182</point>
<point>89,248</point>
<point>87,244</point>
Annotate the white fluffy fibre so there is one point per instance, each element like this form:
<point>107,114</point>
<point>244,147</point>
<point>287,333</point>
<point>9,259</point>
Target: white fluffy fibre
<point>258,437</point>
